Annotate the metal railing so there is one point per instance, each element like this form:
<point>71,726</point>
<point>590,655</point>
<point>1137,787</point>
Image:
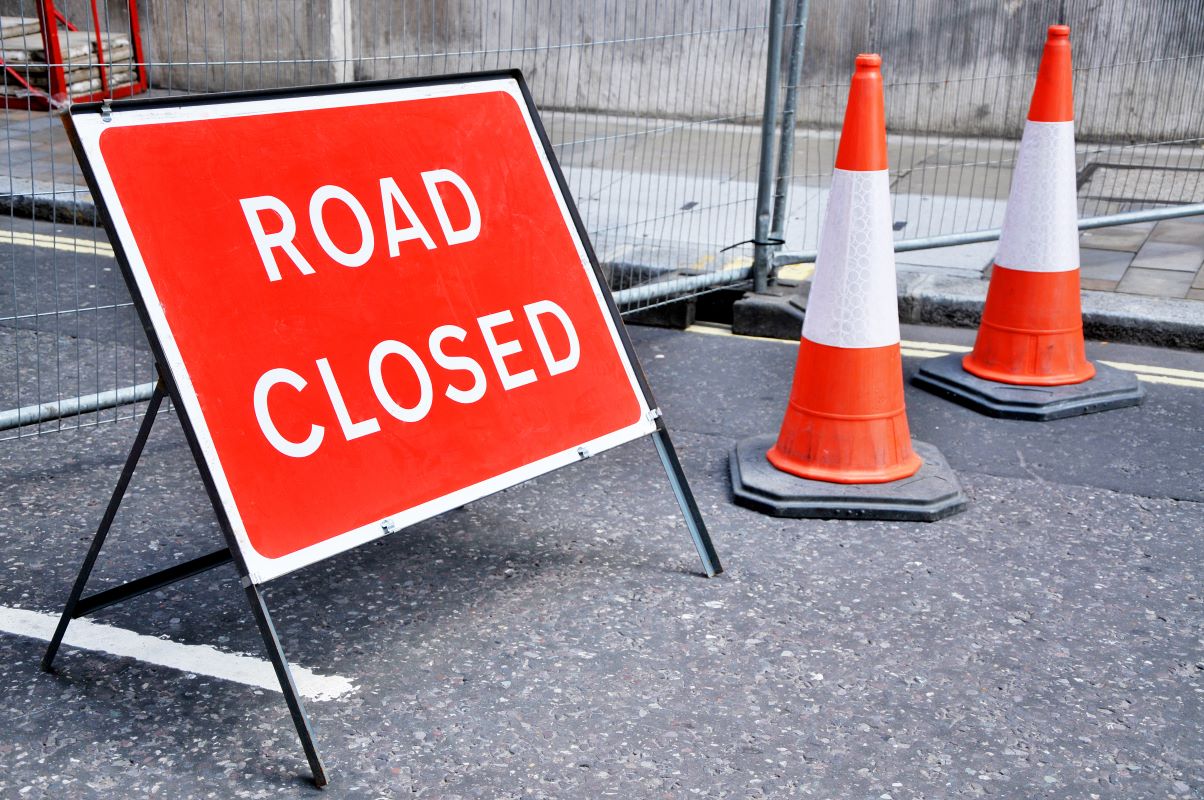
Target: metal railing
<point>667,118</point>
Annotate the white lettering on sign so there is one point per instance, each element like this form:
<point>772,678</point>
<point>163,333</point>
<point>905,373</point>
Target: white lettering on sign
<point>351,430</point>
<point>282,238</point>
<point>290,448</point>
<point>392,199</point>
<point>432,180</point>
<point>534,313</point>
<point>390,347</point>
<point>390,196</point>
<point>457,364</point>
<point>555,366</point>
<point>499,350</point>
<point>317,203</point>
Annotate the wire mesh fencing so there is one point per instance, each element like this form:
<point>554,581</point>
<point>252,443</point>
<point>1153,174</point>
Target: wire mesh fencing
<point>650,108</point>
<point>957,80</point>
<point>655,111</point>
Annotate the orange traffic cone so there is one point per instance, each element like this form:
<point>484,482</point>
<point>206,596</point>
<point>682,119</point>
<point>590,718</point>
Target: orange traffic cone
<point>1032,325</point>
<point>846,424</point>
<point>1031,333</point>
<point>846,421</point>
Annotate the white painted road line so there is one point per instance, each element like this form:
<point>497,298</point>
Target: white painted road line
<point>197,659</point>
<point>1170,376</point>
<point>67,243</point>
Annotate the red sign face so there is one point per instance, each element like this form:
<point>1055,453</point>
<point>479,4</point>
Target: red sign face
<point>374,303</point>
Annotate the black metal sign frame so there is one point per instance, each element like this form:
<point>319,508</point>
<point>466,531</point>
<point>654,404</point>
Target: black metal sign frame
<point>79,605</point>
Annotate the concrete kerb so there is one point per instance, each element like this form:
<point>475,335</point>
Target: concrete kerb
<point>54,202</point>
<point>935,299</point>
<point>1166,322</point>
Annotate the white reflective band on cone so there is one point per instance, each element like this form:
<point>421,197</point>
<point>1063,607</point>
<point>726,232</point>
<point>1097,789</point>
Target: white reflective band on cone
<point>853,296</point>
<point>1040,226</point>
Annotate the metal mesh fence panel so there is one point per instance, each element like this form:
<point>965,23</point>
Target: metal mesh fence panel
<point>958,78</point>
<point>69,337</point>
<point>650,108</point>
<point>653,110</point>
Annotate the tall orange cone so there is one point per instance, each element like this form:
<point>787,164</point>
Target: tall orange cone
<point>846,421</point>
<point>1032,326</point>
<point>844,449</point>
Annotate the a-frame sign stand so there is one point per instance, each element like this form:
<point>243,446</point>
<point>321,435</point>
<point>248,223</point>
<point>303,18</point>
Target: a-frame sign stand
<point>154,255</point>
<point>80,606</point>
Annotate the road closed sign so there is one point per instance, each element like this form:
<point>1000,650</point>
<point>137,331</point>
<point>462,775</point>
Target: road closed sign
<point>374,302</point>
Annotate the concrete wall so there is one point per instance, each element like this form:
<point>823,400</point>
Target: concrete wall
<point>189,43</point>
<point>648,58</point>
<point>572,52</point>
<point>967,66</point>
<point>951,66</point>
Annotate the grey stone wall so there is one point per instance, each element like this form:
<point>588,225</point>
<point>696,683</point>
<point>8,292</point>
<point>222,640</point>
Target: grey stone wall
<point>951,66</point>
<point>670,58</point>
<point>967,66</point>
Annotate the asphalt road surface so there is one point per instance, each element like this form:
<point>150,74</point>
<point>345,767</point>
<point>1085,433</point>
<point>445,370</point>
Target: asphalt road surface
<point>556,639</point>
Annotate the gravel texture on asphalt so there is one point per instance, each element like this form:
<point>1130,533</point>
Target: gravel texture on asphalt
<point>556,640</point>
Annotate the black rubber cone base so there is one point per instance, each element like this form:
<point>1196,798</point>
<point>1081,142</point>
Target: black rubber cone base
<point>931,494</point>
<point>1110,388</point>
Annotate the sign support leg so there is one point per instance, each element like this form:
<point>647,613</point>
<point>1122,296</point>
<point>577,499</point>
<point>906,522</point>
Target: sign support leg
<point>685,499</point>
<point>285,675</point>
<point>79,606</point>
<point>106,522</point>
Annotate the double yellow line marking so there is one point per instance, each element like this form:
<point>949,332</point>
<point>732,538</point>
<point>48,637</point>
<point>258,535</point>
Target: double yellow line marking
<point>1144,372</point>
<point>66,243</point>
<point>1150,374</point>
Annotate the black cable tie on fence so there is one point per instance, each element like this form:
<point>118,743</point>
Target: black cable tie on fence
<point>754,241</point>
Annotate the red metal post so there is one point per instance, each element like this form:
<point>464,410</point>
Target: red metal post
<point>136,39</point>
<point>55,74</point>
<point>100,50</point>
<point>128,90</point>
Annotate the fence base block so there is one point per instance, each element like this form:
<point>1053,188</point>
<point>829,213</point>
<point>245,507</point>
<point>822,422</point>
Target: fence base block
<point>1110,388</point>
<point>932,493</point>
<point>773,316</point>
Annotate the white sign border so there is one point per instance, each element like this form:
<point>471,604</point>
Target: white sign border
<point>90,127</point>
